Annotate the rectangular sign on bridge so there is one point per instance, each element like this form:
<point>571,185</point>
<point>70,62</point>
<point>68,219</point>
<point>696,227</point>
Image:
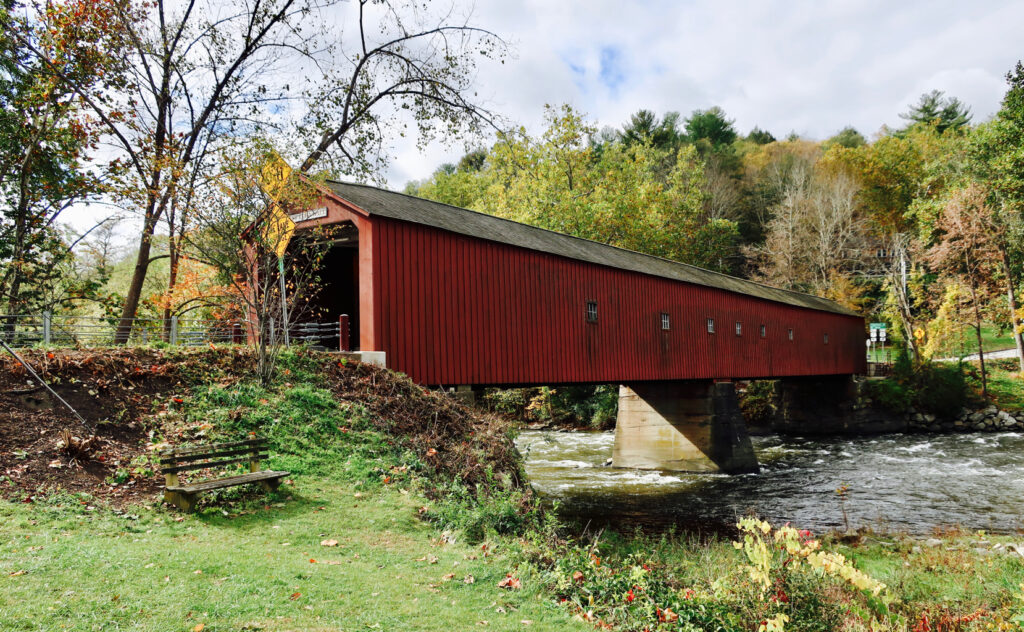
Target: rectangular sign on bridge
<point>313,213</point>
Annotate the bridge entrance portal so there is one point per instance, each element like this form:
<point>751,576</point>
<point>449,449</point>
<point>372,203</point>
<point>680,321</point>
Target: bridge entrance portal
<point>338,291</point>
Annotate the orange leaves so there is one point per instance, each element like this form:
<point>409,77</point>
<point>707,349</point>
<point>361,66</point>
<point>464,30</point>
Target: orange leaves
<point>510,582</point>
<point>294,596</point>
<point>666,615</point>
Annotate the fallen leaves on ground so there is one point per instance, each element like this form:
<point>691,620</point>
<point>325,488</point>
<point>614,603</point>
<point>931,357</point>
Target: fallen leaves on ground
<point>510,582</point>
<point>328,543</point>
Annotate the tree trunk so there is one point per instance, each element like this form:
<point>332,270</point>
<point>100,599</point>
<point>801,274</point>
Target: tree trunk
<point>172,281</point>
<point>1011,297</point>
<point>131,300</point>
<point>981,350</point>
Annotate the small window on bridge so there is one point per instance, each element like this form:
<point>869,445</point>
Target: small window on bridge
<point>591,311</point>
<point>666,323</point>
<point>790,334</point>
<point>764,331</point>
<point>711,325</point>
<point>826,338</point>
<point>739,328</point>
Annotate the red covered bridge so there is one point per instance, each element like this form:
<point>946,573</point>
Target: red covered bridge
<point>454,297</point>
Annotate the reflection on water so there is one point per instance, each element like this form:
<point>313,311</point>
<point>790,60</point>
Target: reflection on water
<point>907,483</point>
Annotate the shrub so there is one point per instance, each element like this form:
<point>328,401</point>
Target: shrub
<point>889,394</point>
<point>940,389</point>
<point>757,402</point>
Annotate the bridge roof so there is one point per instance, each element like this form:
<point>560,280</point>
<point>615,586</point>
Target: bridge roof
<point>384,203</point>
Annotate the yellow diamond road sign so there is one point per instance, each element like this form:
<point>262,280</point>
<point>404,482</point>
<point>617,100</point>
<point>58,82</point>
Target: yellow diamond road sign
<point>274,176</point>
<point>278,230</point>
<point>278,227</point>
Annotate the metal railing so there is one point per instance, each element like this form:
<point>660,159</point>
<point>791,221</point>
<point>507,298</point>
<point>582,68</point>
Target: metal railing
<point>26,330</point>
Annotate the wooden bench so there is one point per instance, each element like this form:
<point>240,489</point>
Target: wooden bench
<point>214,455</point>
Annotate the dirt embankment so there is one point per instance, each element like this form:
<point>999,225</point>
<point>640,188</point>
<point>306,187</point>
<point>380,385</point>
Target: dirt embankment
<point>115,391</point>
<point>124,395</point>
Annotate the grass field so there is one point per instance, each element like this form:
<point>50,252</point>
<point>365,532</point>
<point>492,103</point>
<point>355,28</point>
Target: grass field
<point>68,566</point>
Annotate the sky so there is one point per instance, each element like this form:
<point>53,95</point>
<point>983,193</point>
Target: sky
<point>785,66</point>
<point>782,65</point>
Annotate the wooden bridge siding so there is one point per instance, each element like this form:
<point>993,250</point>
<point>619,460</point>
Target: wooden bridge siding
<point>457,310</point>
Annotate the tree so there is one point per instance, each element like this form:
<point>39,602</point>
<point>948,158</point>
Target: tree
<point>200,78</point>
<point>967,251</point>
<point>710,126</point>
<point>997,156</point>
<point>934,108</point>
<point>759,136</point>
<point>645,128</point>
<point>767,170</point>
<point>45,136</point>
<point>409,66</point>
<point>236,211</point>
<point>817,233</point>
<point>847,137</point>
<point>621,197</point>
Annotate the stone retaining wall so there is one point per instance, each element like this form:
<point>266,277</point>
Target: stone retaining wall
<point>837,406</point>
<point>989,419</point>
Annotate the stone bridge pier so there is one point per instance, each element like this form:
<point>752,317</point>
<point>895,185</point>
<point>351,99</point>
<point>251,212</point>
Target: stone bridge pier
<point>692,425</point>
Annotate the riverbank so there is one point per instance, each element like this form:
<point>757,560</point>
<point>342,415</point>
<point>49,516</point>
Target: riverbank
<point>404,511</point>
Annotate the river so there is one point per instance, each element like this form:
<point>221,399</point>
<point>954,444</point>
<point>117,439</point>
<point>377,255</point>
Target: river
<point>907,483</point>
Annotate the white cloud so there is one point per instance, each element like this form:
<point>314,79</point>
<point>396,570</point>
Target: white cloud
<point>809,67</point>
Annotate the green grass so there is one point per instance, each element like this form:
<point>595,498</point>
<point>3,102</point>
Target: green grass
<point>240,567</point>
<point>1005,384</point>
<point>992,339</point>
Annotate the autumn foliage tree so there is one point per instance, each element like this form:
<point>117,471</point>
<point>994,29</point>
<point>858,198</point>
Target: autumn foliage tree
<point>235,234</point>
<point>967,251</point>
<point>46,135</point>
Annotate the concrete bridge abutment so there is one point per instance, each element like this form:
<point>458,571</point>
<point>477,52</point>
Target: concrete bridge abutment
<point>693,426</point>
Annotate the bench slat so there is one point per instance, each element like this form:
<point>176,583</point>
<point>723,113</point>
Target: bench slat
<point>231,481</point>
<point>211,446</point>
<point>198,456</point>
<point>212,464</point>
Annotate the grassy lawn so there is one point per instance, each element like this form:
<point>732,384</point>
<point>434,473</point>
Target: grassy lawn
<point>992,339</point>
<point>1005,384</point>
<point>248,567</point>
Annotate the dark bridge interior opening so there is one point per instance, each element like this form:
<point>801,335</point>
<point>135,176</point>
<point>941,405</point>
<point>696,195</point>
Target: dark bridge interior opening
<point>339,282</point>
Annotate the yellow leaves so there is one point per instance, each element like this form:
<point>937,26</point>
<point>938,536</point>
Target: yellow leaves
<point>789,548</point>
<point>774,624</point>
